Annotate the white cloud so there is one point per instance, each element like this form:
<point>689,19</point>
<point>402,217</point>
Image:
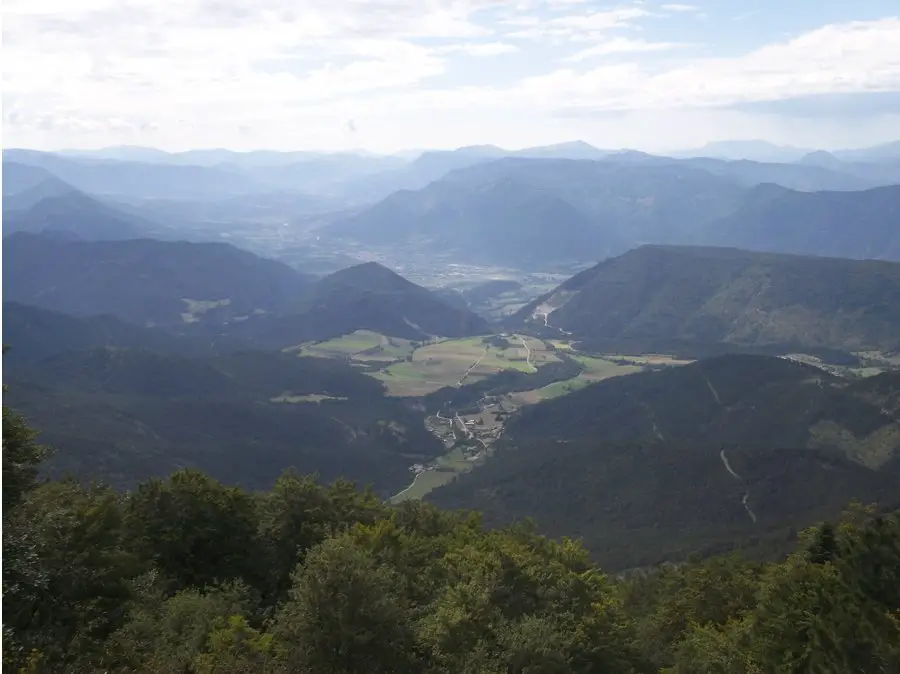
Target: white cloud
<point>279,73</point>
<point>674,7</point>
<point>487,49</point>
<point>577,27</point>
<point>621,45</point>
<point>845,58</point>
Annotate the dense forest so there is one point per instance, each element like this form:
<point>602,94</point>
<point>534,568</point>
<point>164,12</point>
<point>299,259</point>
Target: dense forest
<point>190,575</point>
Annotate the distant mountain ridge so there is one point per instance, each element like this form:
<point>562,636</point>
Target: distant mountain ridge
<point>368,296</point>
<point>521,212</point>
<point>864,224</point>
<point>72,213</point>
<point>704,295</point>
<point>146,282</point>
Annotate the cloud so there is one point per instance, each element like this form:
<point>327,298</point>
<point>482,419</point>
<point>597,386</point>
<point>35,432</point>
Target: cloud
<point>278,73</point>
<point>836,59</point>
<point>576,27</point>
<point>680,8</point>
<point>487,49</point>
<point>854,106</point>
<point>621,45</point>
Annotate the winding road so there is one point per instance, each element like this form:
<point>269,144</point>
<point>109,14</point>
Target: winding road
<point>528,355</point>
<point>738,477</point>
<point>460,381</point>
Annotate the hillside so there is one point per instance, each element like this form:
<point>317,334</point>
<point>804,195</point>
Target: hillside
<point>167,284</point>
<point>34,334</point>
<point>129,414</point>
<point>657,465</point>
<point>841,224</point>
<point>525,212</point>
<point>187,574</point>
<point>499,221</point>
<point>368,296</point>
<point>18,177</point>
<point>660,296</point>
<point>50,208</point>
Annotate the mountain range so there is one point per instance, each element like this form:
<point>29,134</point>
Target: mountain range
<point>527,212</point>
<point>137,354</point>
<point>553,205</point>
<point>220,291</point>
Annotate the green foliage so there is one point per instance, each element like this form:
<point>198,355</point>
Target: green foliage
<point>191,576</point>
<point>196,531</point>
<point>346,615</point>
<point>21,456</point>
<point>169,634</point>
<point>235,647</point>
<point>65,573</point>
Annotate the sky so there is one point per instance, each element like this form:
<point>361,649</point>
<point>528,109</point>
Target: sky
<point>387,75</point>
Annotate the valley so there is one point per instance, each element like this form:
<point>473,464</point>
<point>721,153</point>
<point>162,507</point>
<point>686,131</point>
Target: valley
<point>468,432</point>
<point>451,337</point>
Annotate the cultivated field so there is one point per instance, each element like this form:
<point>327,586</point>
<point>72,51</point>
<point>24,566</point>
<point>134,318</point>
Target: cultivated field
<point>308,398</point>
<point>443,471</point>
<point>458,362</point>
<point>362,345</point>
<point>595,369</point>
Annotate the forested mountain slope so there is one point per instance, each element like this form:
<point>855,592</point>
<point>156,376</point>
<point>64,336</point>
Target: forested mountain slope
<point>863,224</point>
<point>189,575</point>
<point>128,414</point>
<point>368,296</point>
<point>730,452</point>
<point>662,295</point>
<point>144,281</point>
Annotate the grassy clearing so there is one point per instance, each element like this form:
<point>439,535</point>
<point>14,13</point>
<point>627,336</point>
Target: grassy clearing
<point>362,345</point>
<point>445,363</point>
<point>595,369</point>
<point>561,388</point>
<point>448,467</point>
<point>309,398</point>
<point>196,308</point>
<point>647,359</point>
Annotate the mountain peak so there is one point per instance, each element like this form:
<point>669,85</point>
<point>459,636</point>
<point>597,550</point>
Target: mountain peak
<point>368,275</point>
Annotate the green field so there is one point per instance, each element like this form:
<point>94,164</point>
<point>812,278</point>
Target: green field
<point>448,467</point>
<point>309,398</point>
<point>448,362</point>
<point>362,345</point>
<point>648,359</point>
<point>595,369</point>
<point>413,369</point>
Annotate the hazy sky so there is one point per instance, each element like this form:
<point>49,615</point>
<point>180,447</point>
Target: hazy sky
<point>391,74</point>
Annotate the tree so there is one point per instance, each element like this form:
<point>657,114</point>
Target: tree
<point>170,634</point>
<point>195,530</point>
<point>66,576</point>
<point>21,457</point>
<point>346,615</point>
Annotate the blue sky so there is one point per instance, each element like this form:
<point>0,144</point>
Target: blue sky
<point>391,74</point>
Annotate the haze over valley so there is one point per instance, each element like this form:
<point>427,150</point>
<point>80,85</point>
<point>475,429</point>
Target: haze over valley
<point>451,337</point>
